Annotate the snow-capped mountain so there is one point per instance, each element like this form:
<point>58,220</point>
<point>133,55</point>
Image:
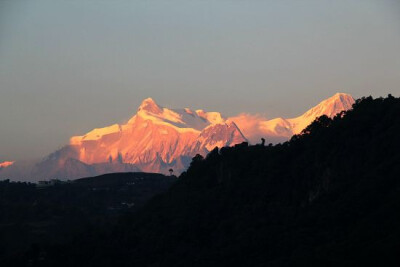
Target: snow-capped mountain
<point>154,140</point>
<point>280,129</point>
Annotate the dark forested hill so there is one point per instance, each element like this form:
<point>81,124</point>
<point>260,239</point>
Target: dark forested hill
<point>328,197</point>
<point>35,214</point>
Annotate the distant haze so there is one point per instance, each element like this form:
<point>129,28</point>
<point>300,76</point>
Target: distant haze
<point>67,67</point>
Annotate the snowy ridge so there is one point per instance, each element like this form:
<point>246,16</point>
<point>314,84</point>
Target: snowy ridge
<point>280,129</point>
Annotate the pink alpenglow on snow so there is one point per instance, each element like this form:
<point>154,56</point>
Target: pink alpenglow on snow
<point>280,129</point>
<point>155,139</point>
<point>6,164</point>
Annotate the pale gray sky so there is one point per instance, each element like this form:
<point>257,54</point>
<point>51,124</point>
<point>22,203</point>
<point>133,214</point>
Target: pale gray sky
<point>69,66</point>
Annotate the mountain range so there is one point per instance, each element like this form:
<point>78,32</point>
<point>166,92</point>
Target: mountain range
<point>157,139</point>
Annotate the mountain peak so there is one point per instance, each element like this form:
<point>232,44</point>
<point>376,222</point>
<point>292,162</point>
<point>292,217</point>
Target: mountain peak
<point>337,103</point>
<point>331,106</point>
<point>150,105</point>
<point>341,97</point>
<point>341,94</point>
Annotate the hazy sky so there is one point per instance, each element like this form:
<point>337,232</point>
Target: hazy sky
<point>69,66</point>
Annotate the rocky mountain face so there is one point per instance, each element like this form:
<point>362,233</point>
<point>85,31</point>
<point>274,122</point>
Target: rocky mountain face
<point>157,139</point>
